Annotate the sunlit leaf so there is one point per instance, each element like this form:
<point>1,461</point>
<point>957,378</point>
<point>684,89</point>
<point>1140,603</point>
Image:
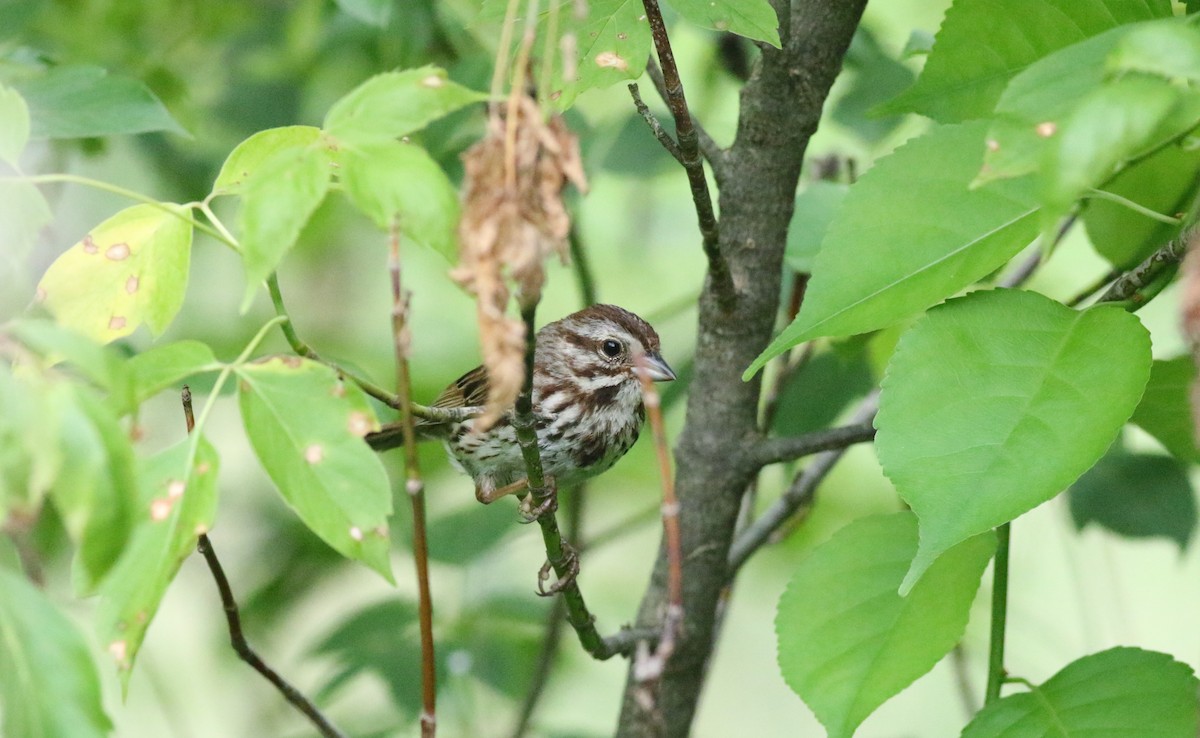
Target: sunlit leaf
<point>928,237</point>
<point>277,200</point>
<point>307,428</point>
<point>178,502</point>
<point>250,155</point>
<point>50,687</point>
<point>1136,496</point>
<point>847,641</point>
<point>754,19</point>
<point>130,269</point>
<point>84,101</point>
<point>991,406</point>
<point>14,125</point>
<point>1165,410</point>
<point>1163,182</point>
<point>395,104</point>
<point>1119,692</point>
<point>394,182</point>
<point>983,44</point>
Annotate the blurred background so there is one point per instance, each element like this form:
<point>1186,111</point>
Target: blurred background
<point>228,68</point>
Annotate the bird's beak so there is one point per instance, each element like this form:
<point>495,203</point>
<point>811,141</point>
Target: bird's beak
<point>658,369</point>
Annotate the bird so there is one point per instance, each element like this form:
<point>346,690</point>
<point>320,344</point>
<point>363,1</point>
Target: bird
<point>587,404</point>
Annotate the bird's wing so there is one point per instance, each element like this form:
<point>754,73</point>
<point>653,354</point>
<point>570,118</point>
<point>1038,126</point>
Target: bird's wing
<point>469,390</point>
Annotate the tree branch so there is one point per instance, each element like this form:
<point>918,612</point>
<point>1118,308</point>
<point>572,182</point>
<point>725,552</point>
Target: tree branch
<point>689,149</point>
<point>1129,285</point>
<point>656,128</point>
<point>708,147</point>
<point>775,450</point>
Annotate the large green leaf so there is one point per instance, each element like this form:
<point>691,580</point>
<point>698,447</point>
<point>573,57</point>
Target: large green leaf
<point>1136,496</point>
<point>307,426</point>
<point>1164,182</point>
<point>277,201</point>
<point>1165,411</point>
<point>250,155</point>
<point>614,44</point>
<point>754,19</point>
<point>130,269</point>
<point>996,402</point>
<point>928,237</point>
<point>50,687</point>
<point>14,125</point>
<point>1119,692</point>
<point>983,44</point>
<point>847,641</point>
<point>395,104</point>
<point>85,101</point>
<point>167,365</point>
<point>398,183</point>
<point>178,502</point>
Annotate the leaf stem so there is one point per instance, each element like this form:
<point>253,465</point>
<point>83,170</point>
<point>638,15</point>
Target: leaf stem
<point>996,673</point>
<point>1095,194</point>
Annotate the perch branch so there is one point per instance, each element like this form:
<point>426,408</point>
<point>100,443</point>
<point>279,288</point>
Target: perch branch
<point>708,147</point>
<point>775,450</point>
<point>656,128</point>
<point>1129,285</point>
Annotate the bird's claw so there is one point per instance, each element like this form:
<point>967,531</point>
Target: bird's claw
<point>572,563</point>
<point>545,505</point>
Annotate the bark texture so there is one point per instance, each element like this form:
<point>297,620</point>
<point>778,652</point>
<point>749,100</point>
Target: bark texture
<point>780,107</point>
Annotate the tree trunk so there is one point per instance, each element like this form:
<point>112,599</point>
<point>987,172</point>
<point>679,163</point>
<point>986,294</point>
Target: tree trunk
<point>780,107</point>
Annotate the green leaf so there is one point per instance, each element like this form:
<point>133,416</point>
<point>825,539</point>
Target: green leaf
<point>1136,496</point>
<point>1036,104</point>
<point>754,19</point>
<point>614,44</point>
<point>816,395</point>
<point>30,457</point>
<point>847,641</point>
<point>50,687</point>
<point>394,182</point>
<point>130,269</point>
<point>983,44</point>
<point>167,365</point>
<point>373,12</point>
<point>395,104</point>
<point>14,125</point>
<point>1110,126</point>
<point>875,77</point>
<point>178,503</point>
<point>95,492</point>
<point>62,347</point>
<point>1119,692</point>
<point>1163,182</point>
<point>447,542</point>
<point>381,639</point>
<point>23,212</point>
<point>248,157</point>
<point>1171,51</point>
<point>815,209</point>
<point>1165,410</point>
<point>997,401</point>
<point>928,237</point>
<point>306,426</point>
<point>277,201</point>
<point>86,101</point>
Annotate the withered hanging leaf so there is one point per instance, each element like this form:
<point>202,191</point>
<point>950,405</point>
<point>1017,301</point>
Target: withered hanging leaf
<point>513,219</point>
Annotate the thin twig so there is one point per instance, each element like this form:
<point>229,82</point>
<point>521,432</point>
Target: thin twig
<point>996,672</point>
<point>1093,288</point>
<point>414,485</point>
<point>656,128</point>
<point>649,669</point>
<point>685,133</point>
<point>799,495</point>
<point>775,450</point>
<point>236,637</point>
<point>708,147</point>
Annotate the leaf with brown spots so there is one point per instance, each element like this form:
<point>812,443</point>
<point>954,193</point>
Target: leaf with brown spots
<point>178,502</point>
<point>307,426</point>
<point>131,269</point>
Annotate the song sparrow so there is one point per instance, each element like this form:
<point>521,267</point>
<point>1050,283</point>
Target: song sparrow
<point>587,404</point>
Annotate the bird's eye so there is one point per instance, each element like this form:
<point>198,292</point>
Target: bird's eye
<point>611,348</point>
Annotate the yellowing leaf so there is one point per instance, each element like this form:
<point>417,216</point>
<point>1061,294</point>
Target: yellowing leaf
<point>130,269</point>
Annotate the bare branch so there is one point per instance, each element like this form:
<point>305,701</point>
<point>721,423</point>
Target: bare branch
<point>1129,285</point>
<point>775,450</point>
<point>708,147</point>
<point>656,128</point>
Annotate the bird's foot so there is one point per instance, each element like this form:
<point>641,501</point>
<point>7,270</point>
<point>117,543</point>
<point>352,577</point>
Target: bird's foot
<point>532,509</point>
<point>571,560</point>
